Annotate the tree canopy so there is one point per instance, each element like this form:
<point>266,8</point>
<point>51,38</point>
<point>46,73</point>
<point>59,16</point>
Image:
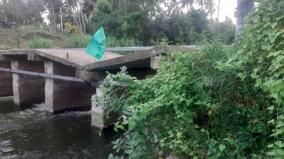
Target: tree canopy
<point>157,21</point>
<point>148,22</point>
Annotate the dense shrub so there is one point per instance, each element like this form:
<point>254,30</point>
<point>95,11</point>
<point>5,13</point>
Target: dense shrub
<point>71,28</point>
<point>191,108</point>
<point>222,31</point>
<point>261,58</point>
<point>81,41</point>
<point>123,42</point>
<point>38,42</point>
<point>219,102</point>
<point>77,41</point>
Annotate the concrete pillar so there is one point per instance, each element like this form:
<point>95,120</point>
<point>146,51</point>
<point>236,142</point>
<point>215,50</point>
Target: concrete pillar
<point>27,90</point>
<point>6,88</point>
<point>62,95</point>
<point>98,117</point>
<point>97,111</point>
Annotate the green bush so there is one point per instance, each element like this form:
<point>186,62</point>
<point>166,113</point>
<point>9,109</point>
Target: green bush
<point>123,42</point>
<point>260,58</point>
<point>192,108</point>
<point>216,103</point>
<point>77,41</point>
<point>38,42</point>
<point>81,41</point>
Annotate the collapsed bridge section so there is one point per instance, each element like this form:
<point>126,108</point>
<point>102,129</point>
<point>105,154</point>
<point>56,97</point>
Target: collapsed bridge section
<point>66,79</point>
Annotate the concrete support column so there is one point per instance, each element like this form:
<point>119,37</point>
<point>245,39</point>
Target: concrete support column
<point>97,111</point>
<point>6,88</point>
<point>99,119</point>
<point>27,90</point>
<point>63,96</point>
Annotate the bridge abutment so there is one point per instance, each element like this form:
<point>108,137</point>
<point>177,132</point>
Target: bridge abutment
<point>62,95</point>
<point>99,119</point>
<point>27,89</point>
<point>6,88</point>
<point>97,111</point>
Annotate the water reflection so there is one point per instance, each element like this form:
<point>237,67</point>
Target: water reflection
<point>35,134</point>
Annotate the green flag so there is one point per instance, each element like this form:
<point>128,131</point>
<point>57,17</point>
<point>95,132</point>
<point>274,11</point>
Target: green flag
<point>96,46</point>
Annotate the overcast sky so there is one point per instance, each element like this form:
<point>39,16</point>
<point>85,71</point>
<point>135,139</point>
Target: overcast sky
<point>227,9</point>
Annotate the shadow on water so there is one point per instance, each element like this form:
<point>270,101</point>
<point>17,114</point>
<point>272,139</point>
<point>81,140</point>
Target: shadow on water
<point>7,105</point>
<point>36,134</point>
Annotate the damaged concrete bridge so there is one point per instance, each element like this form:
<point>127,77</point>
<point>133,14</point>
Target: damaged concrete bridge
<point>66,79</point>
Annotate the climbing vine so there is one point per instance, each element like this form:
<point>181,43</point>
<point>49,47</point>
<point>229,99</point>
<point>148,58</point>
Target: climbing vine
<point>219,102</point>
<point>261,57</point>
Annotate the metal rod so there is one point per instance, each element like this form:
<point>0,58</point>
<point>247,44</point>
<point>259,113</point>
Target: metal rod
<point>44,75</point>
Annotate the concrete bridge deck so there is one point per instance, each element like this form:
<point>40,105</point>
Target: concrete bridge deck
<point>66,79</point>
<point>77,56</point>
<point>71,57</point>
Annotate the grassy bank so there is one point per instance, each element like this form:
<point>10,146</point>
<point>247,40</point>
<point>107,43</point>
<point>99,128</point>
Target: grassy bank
<point>21,37</point>
<point>43,37</point>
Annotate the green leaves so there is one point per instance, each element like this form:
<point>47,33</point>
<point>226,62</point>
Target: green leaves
<point>222,147</point>
<point>264,63</point>
<point>219,102</point>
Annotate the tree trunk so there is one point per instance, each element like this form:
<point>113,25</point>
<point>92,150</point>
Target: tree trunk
<point>83,26</point>
<point>244,7</point>
<point>53,14</point>
<point>218,12</point>
<point>61,20</point>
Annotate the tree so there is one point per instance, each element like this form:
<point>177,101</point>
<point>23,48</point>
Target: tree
<point>54,7</point>
<point>22,11</point>
<point>152,21</point>
<point>244,7</point>
<point>79,12</point>
<point>222,31</point>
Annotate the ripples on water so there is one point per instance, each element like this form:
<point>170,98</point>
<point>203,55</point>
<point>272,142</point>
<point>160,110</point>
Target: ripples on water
<point>36,134</point>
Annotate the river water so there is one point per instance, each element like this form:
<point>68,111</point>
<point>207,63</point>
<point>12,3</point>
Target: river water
<point>36,134</point>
